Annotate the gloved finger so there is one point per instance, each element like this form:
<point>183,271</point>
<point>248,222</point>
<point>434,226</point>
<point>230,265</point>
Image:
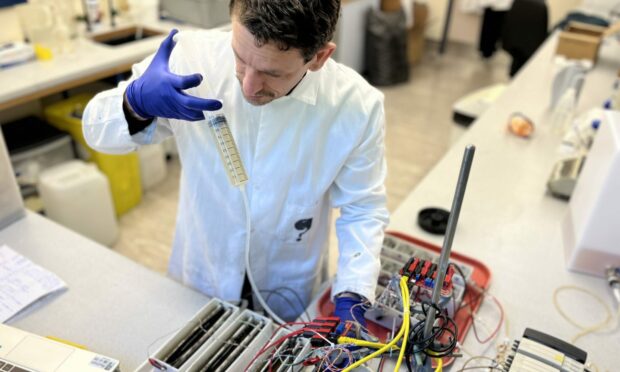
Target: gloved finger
<point>185,82</point>
<point>165,49</point>
<point>192,115</point>
<point>197,103</point>
<point>182,113</point>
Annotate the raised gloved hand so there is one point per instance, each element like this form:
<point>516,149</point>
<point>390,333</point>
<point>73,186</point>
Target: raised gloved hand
<point>159,93</point>
<point>350,308</point>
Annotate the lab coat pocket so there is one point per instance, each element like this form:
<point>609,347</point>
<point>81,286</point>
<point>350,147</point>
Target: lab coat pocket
<point>295,248</point>
<point>299,224</point>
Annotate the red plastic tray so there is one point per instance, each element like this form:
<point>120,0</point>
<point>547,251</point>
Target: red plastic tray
<point>480,275</point>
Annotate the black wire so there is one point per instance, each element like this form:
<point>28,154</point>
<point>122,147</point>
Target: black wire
<point>458,268</point>
<point>408,362</point>
<point>430,345</point>
<point>439,352</point>
<point>270,292</point>
<point>298,297</point>
<point>286,299</point>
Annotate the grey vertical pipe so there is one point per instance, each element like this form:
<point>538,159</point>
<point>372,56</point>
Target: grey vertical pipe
<point>446,27</point>
<point>461,185</point>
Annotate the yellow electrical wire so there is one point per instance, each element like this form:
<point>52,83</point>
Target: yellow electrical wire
<point>363,343</point>
<point>406,318</point>
<point>404,292</point>
<point>439,365</point>
<point>585,330</point>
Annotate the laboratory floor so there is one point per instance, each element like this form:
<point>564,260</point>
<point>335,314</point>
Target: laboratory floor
<point>419,131</point>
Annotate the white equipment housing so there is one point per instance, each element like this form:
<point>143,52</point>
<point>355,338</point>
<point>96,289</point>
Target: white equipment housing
<point>590,228</point>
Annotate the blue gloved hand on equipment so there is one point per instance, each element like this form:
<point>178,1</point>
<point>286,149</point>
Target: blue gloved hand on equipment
<point>159,93</point>
<point>350,308</point>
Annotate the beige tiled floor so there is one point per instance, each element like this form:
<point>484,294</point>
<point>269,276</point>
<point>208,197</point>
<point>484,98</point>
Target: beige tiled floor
<point>419,130</point>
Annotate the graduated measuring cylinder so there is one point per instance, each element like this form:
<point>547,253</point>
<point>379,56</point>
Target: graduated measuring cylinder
<point>227,148</point>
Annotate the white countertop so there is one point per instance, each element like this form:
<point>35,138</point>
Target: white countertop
<point>507,219</point>
<point>88,57</point>
<point>112,306</point>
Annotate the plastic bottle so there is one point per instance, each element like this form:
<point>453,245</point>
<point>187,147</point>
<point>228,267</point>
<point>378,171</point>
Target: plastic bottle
<point>579,138</point>
<point>590,132</point>
<point>562,116</point>
<point>62,36</point>
<point>93,12</point>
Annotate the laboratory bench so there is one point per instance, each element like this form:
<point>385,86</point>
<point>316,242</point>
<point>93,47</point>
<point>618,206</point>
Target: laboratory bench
<point>112,305</point>
<point>508,222</point>
<point>89,62</point>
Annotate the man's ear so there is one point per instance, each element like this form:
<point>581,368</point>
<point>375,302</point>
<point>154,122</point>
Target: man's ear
<point>322,56</point>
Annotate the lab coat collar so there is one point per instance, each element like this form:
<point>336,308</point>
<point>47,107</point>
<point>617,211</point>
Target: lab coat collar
<point>308,88</point>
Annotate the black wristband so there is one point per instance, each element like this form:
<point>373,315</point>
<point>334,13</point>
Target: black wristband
<point>134,124</point>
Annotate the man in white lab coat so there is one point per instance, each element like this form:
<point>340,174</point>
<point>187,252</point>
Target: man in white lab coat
<point>310,133</point>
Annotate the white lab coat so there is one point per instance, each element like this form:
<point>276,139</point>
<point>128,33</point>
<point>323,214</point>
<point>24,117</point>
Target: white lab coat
<point>321,147</point>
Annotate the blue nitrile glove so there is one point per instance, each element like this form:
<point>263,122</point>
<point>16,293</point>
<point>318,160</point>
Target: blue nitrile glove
<point>159,93</point>
<point>350,308</point>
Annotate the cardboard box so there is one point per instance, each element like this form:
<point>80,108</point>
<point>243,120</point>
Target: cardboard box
<point>580,41</point>
<point>416,37</point>
<point>390,5</point>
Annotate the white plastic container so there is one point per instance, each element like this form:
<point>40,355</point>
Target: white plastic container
<point>29,163</point>
<point>152,165</point>
<point>77,195</point>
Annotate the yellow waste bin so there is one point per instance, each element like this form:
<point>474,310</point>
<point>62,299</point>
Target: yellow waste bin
<point>123,171</point>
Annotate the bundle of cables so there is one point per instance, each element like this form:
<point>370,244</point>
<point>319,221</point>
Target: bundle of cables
<point>408,342</point>
<point>412,341</point>
<point>402,334</point>
<point>432,346</point>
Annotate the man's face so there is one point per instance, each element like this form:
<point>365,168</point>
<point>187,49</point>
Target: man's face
<point>265,73</point>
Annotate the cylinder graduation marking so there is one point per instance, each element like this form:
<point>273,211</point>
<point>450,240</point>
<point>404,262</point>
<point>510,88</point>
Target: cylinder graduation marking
<point>227,149</point>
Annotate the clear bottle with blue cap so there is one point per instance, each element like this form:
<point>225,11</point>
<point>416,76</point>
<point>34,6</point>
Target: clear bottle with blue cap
<point>590,132</point>
<point>564,112</point>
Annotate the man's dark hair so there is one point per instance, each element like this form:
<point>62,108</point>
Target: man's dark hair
<point>306,25</point>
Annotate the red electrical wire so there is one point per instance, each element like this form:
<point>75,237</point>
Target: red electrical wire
<point>381,363</point>
<point>474,300</point>
<point>277,342</point>
<point>499,324</point>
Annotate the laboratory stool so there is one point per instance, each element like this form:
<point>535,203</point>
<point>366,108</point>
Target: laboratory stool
<point>77,195</point>
<point>152,165</point>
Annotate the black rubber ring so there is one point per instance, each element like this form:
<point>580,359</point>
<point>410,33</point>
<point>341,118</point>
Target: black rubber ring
<point>433,220</point>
